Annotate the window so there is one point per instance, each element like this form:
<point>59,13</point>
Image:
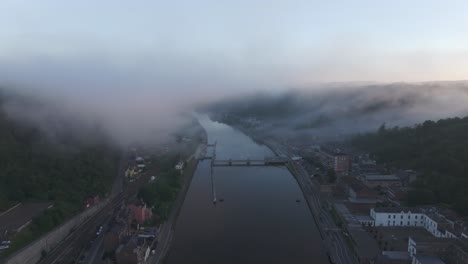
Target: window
<point>388,223</point>
<point>393,222</point>
<point>416,217</point>
<point>408,223</point>
<point>409,216</point>
<point>401,222</point>
<point>401,216</point>
<point>394,216</point>
<point>389,216</point>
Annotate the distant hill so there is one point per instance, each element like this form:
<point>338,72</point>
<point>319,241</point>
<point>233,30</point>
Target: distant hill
<point>344,109</point>
<point>437,149</point>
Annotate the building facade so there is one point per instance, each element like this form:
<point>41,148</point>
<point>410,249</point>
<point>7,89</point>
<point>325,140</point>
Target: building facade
<point>336,160</point>
<point>445,250</point>
<point>411,217</point>
<point>140,212</point>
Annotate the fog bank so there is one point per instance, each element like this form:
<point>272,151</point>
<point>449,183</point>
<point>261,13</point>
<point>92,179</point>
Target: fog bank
<point>342,109</point>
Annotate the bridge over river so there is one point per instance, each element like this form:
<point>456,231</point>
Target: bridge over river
<point>274,161</point>
<point>249,162</point>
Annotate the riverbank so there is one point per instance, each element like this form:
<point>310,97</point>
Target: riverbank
<point>333,241</point>
<point>294,172</point>
<point>171,222</point>
<point>251,223</point>
<point>166,230</point>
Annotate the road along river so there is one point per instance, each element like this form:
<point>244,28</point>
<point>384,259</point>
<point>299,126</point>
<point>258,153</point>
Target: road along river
<point>257,218</point>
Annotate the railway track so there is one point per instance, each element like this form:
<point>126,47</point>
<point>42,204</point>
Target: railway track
<point>70,247</point>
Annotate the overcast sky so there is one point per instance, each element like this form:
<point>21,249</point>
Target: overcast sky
<point>140,62</point>
<point>250,42</point>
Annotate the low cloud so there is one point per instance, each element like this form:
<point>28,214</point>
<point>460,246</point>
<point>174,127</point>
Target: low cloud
<point>327,111</point>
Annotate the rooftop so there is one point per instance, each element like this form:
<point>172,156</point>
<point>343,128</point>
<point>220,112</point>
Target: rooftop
<point>354,183</point>
<point>406,210</point>
<point>436,217</point>
<point>379,177</point>
<point>397,255</point>
<point>396,238</point>
<point>462,244</point>
<point>428,259</point>
<point>431,239</point>
<point>359,208</point>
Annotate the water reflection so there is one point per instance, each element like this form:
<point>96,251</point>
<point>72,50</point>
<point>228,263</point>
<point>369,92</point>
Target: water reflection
<point>259,220</point>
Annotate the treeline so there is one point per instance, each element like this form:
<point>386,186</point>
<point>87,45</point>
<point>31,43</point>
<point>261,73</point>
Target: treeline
<point>438,150</point>
<point>64,169</point>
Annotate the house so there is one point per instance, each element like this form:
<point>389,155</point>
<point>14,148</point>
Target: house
<point>374,180</point>
<point>354,189</point>
<point>407,176</point>
<point>140,213</point>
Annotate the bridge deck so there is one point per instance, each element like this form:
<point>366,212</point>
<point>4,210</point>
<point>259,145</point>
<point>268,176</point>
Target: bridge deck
<point>253,162</point>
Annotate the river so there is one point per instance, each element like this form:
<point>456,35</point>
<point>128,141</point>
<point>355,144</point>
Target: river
<point>259,220</point>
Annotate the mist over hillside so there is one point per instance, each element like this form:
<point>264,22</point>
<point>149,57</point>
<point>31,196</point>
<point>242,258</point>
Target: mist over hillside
<point>344,109</point>
<point>52,121</point>
<point>64,118</point>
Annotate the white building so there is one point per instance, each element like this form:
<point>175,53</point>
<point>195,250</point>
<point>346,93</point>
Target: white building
<point>435,224</point>
<point>180,165</point>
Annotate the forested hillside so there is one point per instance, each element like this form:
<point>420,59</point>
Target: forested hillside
<point>64,169</point>
<point>437,149</point>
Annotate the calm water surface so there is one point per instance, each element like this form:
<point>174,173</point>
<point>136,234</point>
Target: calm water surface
<point>259,220</point>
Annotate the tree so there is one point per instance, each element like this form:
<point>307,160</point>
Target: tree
<point>64,169</point>
<point>331,175</point>
<point>437,150</point>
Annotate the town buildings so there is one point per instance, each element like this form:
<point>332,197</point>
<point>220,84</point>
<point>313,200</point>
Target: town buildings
<point>334,159</point>
<point>355,189</point>
<point>438,250</point>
